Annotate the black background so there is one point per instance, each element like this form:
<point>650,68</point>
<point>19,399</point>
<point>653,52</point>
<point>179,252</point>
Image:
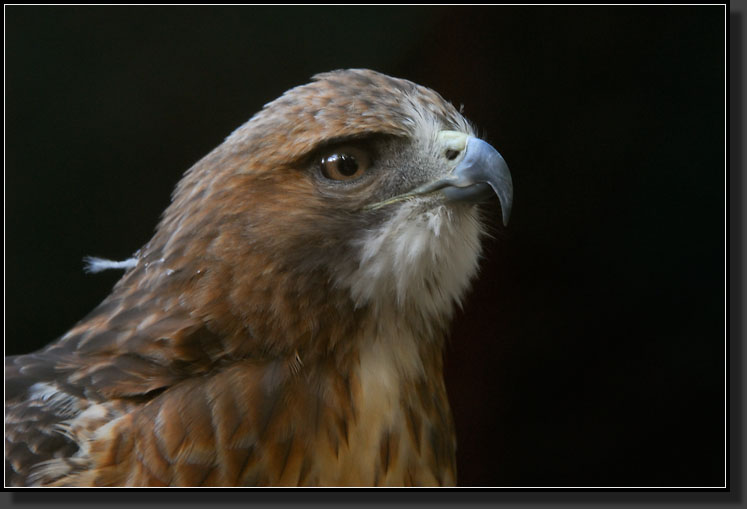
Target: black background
<point>591,350</point>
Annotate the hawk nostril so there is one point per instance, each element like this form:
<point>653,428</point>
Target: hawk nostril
<point>451,154</point>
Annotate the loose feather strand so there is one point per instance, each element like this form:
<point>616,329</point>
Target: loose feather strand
<point>94,264</point>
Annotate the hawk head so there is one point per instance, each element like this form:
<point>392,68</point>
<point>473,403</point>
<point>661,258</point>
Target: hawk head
<point>356,192</point>
<point>306,270</point>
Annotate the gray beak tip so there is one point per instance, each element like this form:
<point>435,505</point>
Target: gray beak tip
<point>506,215</point>
<point>482,164</point>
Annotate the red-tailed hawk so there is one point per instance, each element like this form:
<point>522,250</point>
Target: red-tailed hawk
<point>285,324</point>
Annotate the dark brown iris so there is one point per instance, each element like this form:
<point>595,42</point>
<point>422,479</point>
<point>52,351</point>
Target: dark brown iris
<point>345,163</point>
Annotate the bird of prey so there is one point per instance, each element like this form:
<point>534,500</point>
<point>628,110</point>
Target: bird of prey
<point>285,324</point>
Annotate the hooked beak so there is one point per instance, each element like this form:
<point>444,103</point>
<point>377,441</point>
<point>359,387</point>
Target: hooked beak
<point>481,172</point>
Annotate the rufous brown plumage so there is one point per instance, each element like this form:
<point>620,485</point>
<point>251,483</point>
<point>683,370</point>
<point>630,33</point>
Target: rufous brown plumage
<point>285,324</point>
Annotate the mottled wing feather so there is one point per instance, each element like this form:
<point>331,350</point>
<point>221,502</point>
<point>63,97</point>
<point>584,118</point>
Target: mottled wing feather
<point>30,433</point>
<point>56,397</point>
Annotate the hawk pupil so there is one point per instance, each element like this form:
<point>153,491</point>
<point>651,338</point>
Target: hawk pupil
<point>348,166</point>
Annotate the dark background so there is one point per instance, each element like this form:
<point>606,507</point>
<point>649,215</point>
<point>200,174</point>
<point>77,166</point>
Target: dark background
<point>591,350</point>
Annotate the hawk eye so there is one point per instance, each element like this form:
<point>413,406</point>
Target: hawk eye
<point>345,163</point>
